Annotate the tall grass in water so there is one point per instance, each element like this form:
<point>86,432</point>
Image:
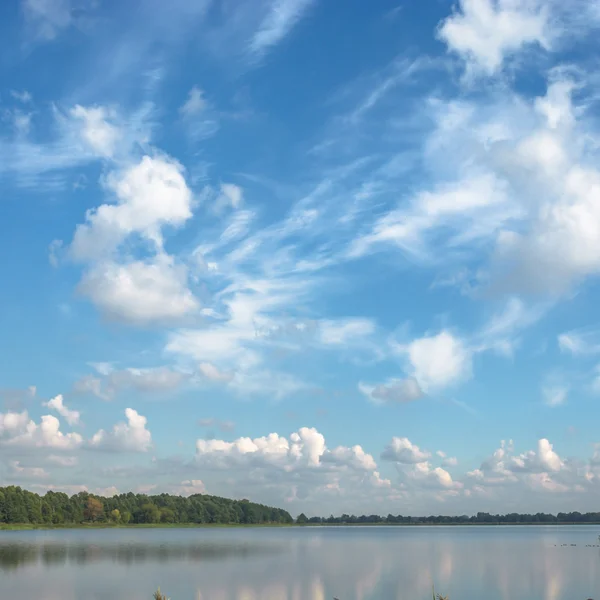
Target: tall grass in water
<point>437,596</point>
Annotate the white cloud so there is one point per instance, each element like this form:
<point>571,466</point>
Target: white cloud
<point>12,422</point>
<point>150,195</point>
<point>47,18</point>
<point>447,461</point>
<point>212,373</point>
<point>97,131</point>
<point>297,467</point>
<point>53,251</point>
<point>17,429</point>
<point>424,474</point>
<point>545,483</point>
<point>486,32</point>
<point>520,172</point>
<point>470,210</point>
<point>402,450</point>
<point>232,196</point>
<point>555,395</point>
<point>71,416</point>
<point>28,472</point>
<point>194,104</point>
<point>580,342</point>
<point>63,461</point>
<point>89,384</point>
<point>158,379</point>
<point>394,391</point>
<point>438,361</point>
<point>125,437</point>
<point>189,487</point>
<point>305,447</point>
<point>281,17</point>
<point>355,457</point>
<point>495,469</point>
<point>140,292</point>
<point>22,96</point>
<point>344,331</point>
<point>147,380</point>
<point>200,120</point>
<point>267,383</point>
<point>233,344</point>
<point>545,459</point>
<point>561,245</point>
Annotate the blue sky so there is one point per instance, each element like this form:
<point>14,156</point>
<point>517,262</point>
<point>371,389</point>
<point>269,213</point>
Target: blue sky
<point>337,257</point>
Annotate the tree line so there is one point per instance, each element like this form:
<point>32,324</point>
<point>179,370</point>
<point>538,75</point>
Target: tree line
<point>19,506</point>
<point>479,518</point>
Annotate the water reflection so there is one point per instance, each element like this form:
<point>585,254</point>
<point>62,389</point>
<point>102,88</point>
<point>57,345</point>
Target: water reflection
<point>15,555</point>
<point>306,564</point>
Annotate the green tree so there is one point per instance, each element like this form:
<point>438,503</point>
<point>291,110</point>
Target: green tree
<point>150,513</point>
<point>167,515</point>
<point>302,519</point>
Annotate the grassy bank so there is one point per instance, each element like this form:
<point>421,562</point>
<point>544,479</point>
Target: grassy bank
<point>31,526</point>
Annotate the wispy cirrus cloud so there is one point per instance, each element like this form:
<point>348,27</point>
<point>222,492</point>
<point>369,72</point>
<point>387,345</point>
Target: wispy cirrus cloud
<point>278,21</point>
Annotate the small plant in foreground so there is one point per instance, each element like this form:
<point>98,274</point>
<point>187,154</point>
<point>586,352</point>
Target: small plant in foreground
<point>159,596</point>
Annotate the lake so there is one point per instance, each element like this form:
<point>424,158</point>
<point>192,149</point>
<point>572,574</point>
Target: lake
<point>311,563</point>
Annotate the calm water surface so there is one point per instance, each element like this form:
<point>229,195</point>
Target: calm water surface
<point>353,563</point>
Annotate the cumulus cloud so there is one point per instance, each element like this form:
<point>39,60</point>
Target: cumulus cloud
<point>447,461</point>
<point>150,195</point>
<point>541,471</point>
<point>12,422</point>
<point>424,474</point>
<point>437,361</point>
<point>486,32</point>
<point>300,464</point>
<point>560,247</point>
<point>545,459</point>
<point>140,292</point>
<point>394,391</point>
<point>402,450</point>
<point>17,429</point>
<point>125,437</point>
<point>304,447</point>
<point>57,403</point>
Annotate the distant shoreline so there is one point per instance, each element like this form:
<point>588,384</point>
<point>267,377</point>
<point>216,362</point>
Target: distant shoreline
<point>29,526</point>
